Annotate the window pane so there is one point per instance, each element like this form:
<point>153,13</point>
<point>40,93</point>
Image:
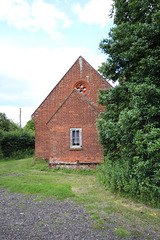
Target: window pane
<point>75,137</point>
<point>77,133</point>
<point>73,133</point>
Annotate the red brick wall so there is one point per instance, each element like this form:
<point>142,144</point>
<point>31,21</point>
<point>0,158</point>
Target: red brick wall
<point>80,71</point>
<point>75,113</point>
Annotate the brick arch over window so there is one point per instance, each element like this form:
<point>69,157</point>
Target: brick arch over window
<point>82,87</point>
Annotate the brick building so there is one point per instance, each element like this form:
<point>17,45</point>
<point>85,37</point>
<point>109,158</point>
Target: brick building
<point>65,122</point>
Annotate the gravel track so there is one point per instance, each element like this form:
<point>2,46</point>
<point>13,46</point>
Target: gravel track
<point>28,217</point>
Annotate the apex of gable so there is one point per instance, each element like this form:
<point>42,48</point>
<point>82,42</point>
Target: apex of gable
<point>81,76</point>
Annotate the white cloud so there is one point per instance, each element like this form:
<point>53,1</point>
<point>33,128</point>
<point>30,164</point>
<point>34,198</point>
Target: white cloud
<point>29,74</point>
<point>35,16</point>
<point>94,12</point>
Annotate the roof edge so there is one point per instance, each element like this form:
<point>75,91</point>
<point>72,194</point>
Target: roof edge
<point>64,76</point>
<point>56,85</point>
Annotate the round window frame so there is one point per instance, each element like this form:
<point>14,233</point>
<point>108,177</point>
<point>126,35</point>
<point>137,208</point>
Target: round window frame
<point>84,84</point>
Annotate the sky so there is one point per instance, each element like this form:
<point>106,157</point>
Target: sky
<point>39,41</point>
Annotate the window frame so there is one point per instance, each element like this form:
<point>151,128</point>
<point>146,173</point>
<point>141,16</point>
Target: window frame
<point>71,138</point>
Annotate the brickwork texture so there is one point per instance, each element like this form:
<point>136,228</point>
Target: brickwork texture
<point>70,105</point>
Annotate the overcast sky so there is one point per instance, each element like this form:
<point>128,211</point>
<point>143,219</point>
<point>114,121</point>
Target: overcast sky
<point>39,41</point>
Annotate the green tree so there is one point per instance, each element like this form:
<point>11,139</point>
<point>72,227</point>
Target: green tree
<point>30,126</point>
<point>6,124</point>
<point>129,130</point>
<point>133,45</point>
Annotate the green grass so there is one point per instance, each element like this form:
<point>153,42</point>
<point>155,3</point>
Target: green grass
<point>19,176</point>
<point>128,217</point>
<point>122,233</point>
<point>43,185</point>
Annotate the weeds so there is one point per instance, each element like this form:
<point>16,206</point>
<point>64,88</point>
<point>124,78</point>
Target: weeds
<point>42,165</point>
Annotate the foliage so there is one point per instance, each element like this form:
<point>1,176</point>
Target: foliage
<point>14,142</point>
<point>1,137</point>
<point>20,154</point>
<point>30,126</point>
<point>6,124</point>
<point>129,129</point>
<point>18,143</point>
<point>133,45</point>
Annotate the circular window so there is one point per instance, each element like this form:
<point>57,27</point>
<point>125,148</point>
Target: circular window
<point>82,87</point>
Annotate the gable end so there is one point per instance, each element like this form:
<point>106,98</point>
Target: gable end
<point>79,94</point>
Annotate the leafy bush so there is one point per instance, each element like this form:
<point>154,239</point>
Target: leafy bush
<point>1,137</point>
<point>131,181</point>
<point>20,154</point>
<point>17,144</point>
<point>129,129</point>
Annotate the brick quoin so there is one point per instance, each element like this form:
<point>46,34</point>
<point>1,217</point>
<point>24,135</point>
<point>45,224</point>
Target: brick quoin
<point>71,104</point>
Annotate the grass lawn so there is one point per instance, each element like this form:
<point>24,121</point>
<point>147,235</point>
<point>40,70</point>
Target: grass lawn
<point>25,176</point>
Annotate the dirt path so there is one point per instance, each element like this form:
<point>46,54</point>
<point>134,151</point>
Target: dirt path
<point>31,217</point>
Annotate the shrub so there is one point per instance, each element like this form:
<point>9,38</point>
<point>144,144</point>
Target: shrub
<point>1,137</point>
<point>138,181</point>
<point>17,143</point>
<point>129,129</point>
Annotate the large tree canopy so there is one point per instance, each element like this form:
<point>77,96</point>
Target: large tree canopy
<point>129,129</point>
<point>133,45</point>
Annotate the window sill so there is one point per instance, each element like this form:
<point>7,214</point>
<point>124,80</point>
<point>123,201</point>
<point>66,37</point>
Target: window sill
<point>76,149</point>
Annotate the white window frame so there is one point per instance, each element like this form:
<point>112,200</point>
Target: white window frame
<point>80,138</point>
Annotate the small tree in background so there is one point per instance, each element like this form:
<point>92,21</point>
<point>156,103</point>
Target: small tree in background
<point>30,126</point>
<point>7,124</point>
<point>16,142</point>
<point>129,130</point>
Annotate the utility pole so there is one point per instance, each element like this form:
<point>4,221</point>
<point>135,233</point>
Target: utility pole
<point>20,117</point>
